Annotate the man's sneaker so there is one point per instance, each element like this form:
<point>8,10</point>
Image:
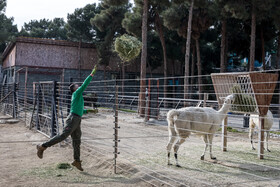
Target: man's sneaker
<point>40,151</point>
<point>78,165</point>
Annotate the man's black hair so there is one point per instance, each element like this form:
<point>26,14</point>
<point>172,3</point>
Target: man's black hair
<point>71,87</point>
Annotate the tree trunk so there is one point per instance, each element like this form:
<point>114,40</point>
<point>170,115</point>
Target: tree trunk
<point>223,46</point>
<point>123,77</point>
<point>105,78</point>
<point>199,72</point>
<point>253,39</point>
<point>226,51</point>
<point>143,59</point>
<point>187,55</point>
<point>173,78</point>
<point>192,71</point>
<point>277,65</point>
<point>162,41</point>
<point>278,51</point>
<point>263,50</point>
<point>173,82</point>
<point>150,69</point>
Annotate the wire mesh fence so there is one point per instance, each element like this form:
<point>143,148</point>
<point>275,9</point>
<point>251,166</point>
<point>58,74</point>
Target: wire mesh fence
<point>141,141</point>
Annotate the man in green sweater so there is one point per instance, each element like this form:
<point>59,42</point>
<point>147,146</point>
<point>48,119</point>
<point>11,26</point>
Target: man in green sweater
<point>73,122</point>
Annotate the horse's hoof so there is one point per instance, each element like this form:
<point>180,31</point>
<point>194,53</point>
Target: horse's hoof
<point>268,150</point>
<point>169,164</point>
<point>213,158</point>
<point>253,148</point>
<point>202,157</point>
<point>177,165</point>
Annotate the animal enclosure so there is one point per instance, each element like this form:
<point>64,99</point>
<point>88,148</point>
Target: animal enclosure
<point>139,147</point>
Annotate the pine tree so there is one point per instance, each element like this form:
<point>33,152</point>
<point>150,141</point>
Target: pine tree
<point>248,10</point>
<point>7,30</point>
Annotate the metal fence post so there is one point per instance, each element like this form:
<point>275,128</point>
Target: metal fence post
<point>25,94</point>
<point>15,100</point>
<point>2,95</point>
<point>68,98</point>
<point>39,106</point>
<point>116,140</point>
<point>54,102</point>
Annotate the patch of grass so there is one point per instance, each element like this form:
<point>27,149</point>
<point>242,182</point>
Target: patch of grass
<point>104,108</point>
<point>273,132</point>
<point>230,129</point>
<point>63,166</point>
<point>62,173</point>
<point>127,110</point>
<point>46,172</point>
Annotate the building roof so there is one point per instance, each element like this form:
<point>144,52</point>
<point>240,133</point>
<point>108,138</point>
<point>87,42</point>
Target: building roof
<point>46,42</point>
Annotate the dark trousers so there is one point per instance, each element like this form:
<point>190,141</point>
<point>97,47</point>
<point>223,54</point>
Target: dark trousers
<point>73,128</point>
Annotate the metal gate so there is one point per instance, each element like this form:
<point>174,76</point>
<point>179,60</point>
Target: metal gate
<point>9,104</point>
<point>44,115</point>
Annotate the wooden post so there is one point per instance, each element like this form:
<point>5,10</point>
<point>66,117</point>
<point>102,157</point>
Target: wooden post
<point>224,134</point>
<point>261,138</point>
<point>116,140</point>
<point>54,112</point>
<point>39,106</point>
<point>61,91</point>
<point>25,94</point>
<point>15,100</point>
<point>69,98</point>
<point>147,95</point>
<point>157,99</point>
<point>205,99</point>
<point>149,99</point>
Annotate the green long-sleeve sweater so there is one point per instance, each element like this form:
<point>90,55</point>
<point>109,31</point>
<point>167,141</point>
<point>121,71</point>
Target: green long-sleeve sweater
<point>77,100</point>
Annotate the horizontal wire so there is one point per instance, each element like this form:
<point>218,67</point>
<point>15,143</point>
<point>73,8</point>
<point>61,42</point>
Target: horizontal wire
<point>119,167</point>
<point>142,171</point>
<point>157,164</point>
<point>210,172</point>
<point>218,146</point>
<point>182,93</point>
<point>167,169</point>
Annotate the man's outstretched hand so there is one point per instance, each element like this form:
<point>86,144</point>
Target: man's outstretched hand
<point>94,70</point>
<point>92,111</point>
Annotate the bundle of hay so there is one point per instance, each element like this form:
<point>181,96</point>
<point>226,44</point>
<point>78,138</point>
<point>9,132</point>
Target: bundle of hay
<point>242,102</point>
<point>128,47</point>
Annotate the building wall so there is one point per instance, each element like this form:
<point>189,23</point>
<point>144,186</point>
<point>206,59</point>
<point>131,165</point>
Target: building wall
<point>10,60</point>
<point>46,74</point>
<point>54,56</point>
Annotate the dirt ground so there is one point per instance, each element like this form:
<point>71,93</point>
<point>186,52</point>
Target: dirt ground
<point>20,165</point>
<point>141,162</point>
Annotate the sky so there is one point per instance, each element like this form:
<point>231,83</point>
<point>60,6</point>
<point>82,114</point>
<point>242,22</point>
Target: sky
<point>27,10</point>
